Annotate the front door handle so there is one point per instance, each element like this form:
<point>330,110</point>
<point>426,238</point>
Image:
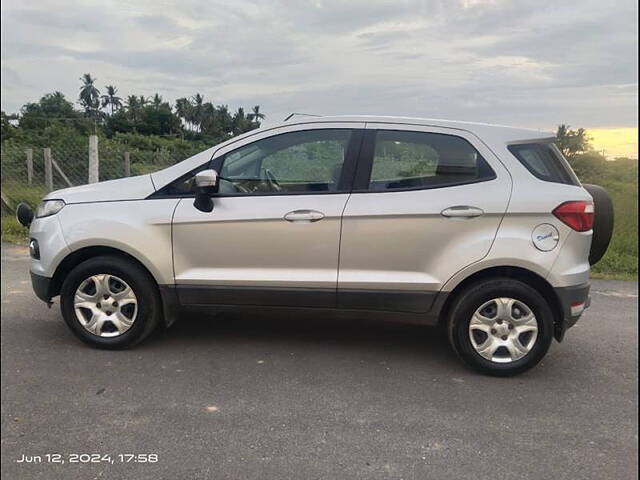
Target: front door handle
<point>304,216</point>
<point>462,211</point>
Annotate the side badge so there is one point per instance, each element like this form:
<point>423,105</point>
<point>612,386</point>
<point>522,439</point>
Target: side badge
<point>545,237</point>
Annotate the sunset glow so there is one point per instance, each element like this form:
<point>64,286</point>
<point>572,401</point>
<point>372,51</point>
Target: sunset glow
<point>615,142</point>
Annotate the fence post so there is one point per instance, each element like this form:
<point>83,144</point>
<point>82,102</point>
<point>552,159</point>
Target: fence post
<point>48,170</point>
<point>94,162</point>
<point>127,165</point>
<point>29,152</point>
<point>62,174</point>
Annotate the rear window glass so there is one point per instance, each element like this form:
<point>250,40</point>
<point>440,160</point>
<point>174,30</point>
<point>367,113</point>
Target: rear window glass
<point>545,162</point>
<point>412,160</point>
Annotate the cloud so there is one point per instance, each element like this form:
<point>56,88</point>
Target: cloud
<point>158,23</point>
<point>516,62</point>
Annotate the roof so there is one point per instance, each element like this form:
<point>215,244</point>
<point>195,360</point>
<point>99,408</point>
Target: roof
<point>482,130</point>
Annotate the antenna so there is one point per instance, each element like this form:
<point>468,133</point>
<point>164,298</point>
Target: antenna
<point>302,115</point>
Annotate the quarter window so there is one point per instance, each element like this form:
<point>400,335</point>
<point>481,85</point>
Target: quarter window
<point>545,161</point>
<point>412,160</point>
<point>295,162</point>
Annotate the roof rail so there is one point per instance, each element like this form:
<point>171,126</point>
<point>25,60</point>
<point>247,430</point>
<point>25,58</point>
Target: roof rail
<point>300,114</point>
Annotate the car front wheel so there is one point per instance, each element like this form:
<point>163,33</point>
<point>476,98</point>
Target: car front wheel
<point>110,302</point>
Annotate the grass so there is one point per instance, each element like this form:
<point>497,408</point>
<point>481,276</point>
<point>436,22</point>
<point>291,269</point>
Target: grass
<point>620,178</point>
<point>16,192</point>
<point>12,231</point>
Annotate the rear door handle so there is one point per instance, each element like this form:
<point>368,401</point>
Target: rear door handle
<point>304,216</point>
<point>462,211</point>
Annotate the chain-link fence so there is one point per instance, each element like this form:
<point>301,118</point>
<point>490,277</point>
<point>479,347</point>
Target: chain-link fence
<point>29,171</point>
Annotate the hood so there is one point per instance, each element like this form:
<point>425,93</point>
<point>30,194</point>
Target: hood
<point>130,188</point>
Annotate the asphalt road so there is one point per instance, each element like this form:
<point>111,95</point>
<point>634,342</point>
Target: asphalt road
<point>300,398</point>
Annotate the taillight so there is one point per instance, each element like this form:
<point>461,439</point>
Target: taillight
<point>578,215</point>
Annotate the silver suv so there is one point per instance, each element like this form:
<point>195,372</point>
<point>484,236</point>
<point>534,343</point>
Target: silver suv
<point>482,229</point>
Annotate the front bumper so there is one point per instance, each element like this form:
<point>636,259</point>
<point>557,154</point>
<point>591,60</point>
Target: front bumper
<point>41,286</point>
<point>574,301</point>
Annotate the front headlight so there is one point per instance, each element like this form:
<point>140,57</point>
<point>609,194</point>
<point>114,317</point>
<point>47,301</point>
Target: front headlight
<point>49,207</point>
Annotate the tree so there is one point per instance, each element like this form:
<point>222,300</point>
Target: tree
<point>182,110</point>
<point>133,107</point>
<point>52,106</point>
<point>120,121</point>
<point>56,105</point>
<point>208,120</point>
<point>159,120</point>
<point>110,99</point>
<point>196,113</point>
<point>242,123</point>
<point>588,166</point>
<point>89,95</point>
<point>224,119</point>
<point>572,142</point>
<point>8,130</point>
<point>587,163</point>
<point>135,115</point>
<point>255,115</point>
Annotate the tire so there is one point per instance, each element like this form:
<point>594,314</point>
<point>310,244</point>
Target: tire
<point>116,272</point>
<point>527,300</point>
<point>602,222</point>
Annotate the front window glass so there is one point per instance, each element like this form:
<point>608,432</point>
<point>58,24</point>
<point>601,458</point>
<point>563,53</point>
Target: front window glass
<point>295,162</point>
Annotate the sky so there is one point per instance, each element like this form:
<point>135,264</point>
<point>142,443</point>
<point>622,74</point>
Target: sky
<point>523,63</point>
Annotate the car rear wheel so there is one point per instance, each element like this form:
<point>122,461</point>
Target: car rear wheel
<point>110,302</point>
<point>500,326</point>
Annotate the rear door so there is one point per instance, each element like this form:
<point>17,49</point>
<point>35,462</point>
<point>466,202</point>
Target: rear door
<point>273,235</point>
<point>426,203</point>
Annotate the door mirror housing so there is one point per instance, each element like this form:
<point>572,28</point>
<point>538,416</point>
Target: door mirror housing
<point>207,180</point>
<point>206,184</point>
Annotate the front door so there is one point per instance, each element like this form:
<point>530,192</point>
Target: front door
<point>426,203</point>
<point>273,235</point>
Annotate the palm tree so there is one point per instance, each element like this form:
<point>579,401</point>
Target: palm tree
<point>224,119</point>
<point>157,100</point>
<point>89,94</point>
<point>208,120</point>
<point>143,101</point>
<point>241,122</point>
<point>255,115</point>
<point>133,106</point>
<point>182,110</point>
<point>111,99</point>
<point>197,102</point>
<point>58,97</point>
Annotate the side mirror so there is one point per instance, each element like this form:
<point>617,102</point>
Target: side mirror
<point>206,183</point>
<point>24,214</point>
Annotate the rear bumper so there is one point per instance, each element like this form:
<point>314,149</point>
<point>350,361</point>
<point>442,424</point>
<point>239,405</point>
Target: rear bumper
<point>574,301</point>
<point>41,286</point>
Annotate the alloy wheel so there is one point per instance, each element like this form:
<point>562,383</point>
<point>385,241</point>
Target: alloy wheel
<point>105,305</point>
<point>503,330</point>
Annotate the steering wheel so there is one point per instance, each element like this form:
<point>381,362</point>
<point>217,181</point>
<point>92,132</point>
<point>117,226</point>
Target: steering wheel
<point>271,180</point>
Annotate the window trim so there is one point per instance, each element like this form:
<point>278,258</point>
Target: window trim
<point>367,154</point>
<point>163,192</point>
<point>345,184</point>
